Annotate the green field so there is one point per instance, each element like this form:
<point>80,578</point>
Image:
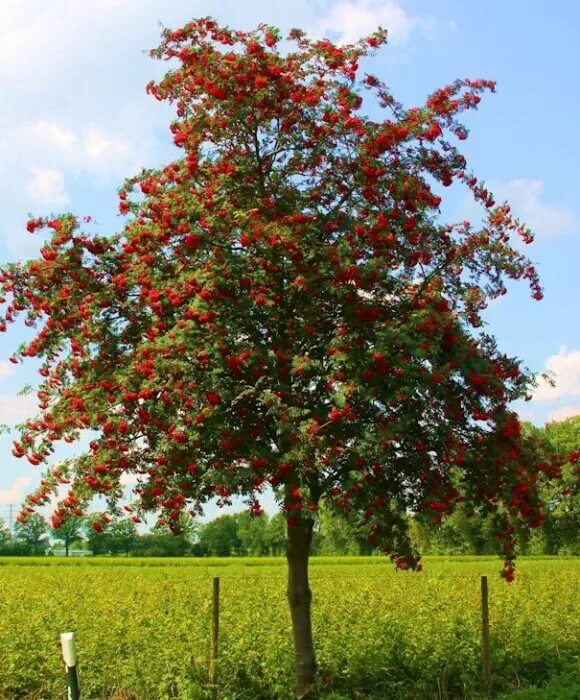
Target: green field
<point>143,628</point>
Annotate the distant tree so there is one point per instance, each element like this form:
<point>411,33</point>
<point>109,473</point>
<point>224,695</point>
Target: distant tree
<point>472,532</point>
<point>276,534</point>
<point>176,538</point>
<point>420,534</point>
<point>560,531</point>
<point>122,537</point>
<point>562,497</point>
<point>252,533</point>
<point>564,435</point>
<point>68,531</point>
<point>97,533</point>
<point>446,538</point>
<point>160,544</point>
<point>338,536</point>
<point>32,533</point>
<point>539,437</point>
<point>6,540</point>
<point>5,533</point>
<point>462,532</point>
<point>220,536</point>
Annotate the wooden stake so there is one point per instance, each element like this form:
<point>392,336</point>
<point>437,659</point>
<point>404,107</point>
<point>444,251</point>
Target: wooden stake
<point>213,664</point>
<point>486,649</point>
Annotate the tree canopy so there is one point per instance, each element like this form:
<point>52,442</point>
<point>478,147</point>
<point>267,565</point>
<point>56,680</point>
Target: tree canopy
<point>283,308</point>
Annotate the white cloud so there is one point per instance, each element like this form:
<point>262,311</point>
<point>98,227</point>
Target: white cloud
<point>6,369</point>
<point>85,148</point>
<point>100,147</point>
<point>46,35</point>
<point>75,76</point>
<point>563,413</point>
<point>49,133</point>
<point>17,409</point>
<point>526,414</point>
<point>527,201</point>
<point>129,479</point>
<point>355,19</point>
<point>566,369</point>
<point>47,186</point>
<point>54,498</point>
<point>16,492</point>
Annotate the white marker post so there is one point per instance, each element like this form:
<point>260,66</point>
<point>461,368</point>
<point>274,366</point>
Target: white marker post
<point>67,641</point>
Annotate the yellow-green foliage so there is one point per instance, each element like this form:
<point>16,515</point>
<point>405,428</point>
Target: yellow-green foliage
<point>143,627</point>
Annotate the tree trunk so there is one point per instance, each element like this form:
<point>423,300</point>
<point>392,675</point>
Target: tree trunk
<point>66,545</point>
<point>300,597</point>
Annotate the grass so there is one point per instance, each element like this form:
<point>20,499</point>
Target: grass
<point>143,625</point>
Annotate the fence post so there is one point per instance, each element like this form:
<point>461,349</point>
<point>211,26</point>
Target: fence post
<point>213,663</point>
<point>486,650</point>
<point>67,641</point>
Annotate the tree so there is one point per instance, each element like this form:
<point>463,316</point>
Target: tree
<point>68,531</point>
<point>457,534</point>
<point>5,538</point>
<point>5,534</point>
<point>187,531</point>
<point>123,537</point>
<point>98,533</point>
<point>220,536</point>
<point>283,308</point>
<point>419,534</point>
<point>562,498</point>
<point>32,532</point>
<point>276,535</point>
<point>338,535</point>
<point>252,533</point>
<point>564,435</point>
<point>162,544</point>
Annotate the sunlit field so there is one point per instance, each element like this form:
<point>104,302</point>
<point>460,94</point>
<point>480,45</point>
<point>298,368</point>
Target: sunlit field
<point>143,627</point>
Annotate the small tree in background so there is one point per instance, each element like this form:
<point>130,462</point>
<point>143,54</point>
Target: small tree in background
<point>68,531</point>
<point>284,309</point>
<point>177,539</point>
<point>6,540</point>
<point>338,535</point>
<point>561,528</point>
<point>97,531</point>
<point>252,533</point>
<point>276,534</point>
<point>220,536</point>
<point>123,537</point>
<point>33,533</point>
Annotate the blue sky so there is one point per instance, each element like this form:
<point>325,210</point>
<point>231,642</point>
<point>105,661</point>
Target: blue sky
<point>76,121</point>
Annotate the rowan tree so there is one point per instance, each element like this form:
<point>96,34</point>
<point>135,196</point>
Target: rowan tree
<point>284,309</point>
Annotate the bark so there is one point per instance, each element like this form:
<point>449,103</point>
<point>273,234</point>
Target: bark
<point>300,598</point>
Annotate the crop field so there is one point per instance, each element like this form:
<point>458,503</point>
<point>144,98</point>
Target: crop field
<point>143,627</point>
